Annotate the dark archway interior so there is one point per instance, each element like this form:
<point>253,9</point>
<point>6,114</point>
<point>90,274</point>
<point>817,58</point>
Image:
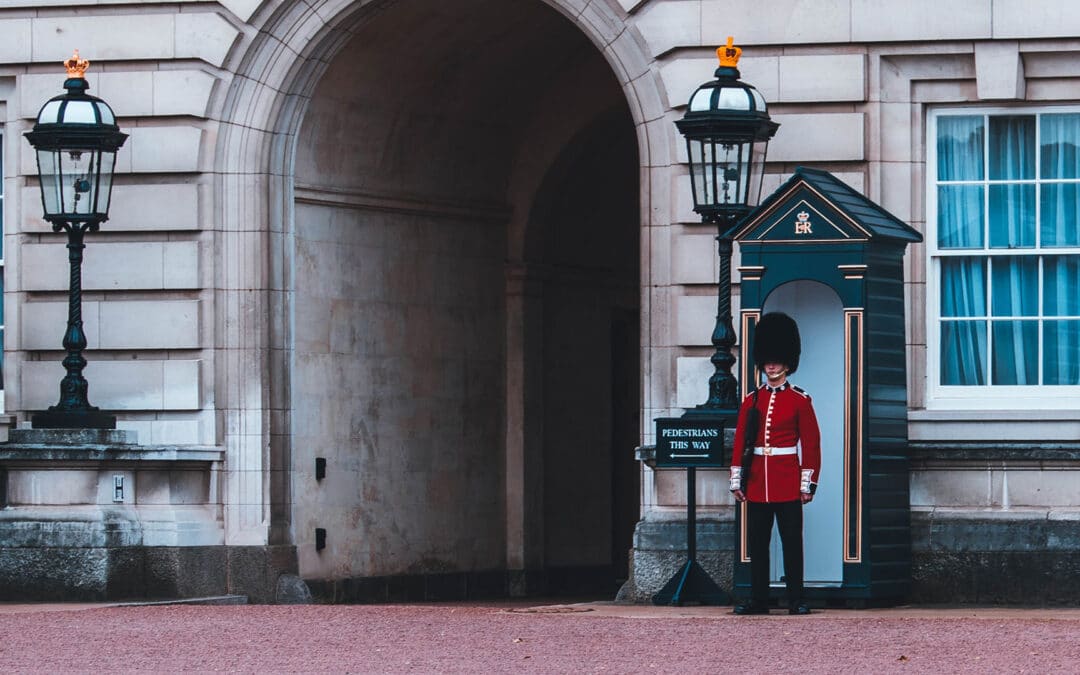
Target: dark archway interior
<point>585,217</point>
<point>445,142</point>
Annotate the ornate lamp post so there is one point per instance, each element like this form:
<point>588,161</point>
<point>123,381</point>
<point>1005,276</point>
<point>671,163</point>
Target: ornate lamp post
<point>76,139</point>
<point>727,129</point>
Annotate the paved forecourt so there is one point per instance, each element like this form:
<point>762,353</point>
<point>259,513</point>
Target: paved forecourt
<point>499,637</point>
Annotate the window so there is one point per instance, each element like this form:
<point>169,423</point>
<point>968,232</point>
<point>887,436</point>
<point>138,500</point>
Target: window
<point>1003,214</point>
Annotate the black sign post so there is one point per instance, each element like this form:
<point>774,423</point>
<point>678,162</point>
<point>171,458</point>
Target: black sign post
<point>690,443</point>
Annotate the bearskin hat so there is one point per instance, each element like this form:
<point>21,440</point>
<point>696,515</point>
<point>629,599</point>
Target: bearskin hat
<point>776,340</point>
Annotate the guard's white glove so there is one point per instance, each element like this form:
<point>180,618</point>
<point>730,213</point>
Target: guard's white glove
<point>736,479</point>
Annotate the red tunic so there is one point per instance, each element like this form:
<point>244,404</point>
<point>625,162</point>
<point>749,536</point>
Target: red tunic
<point>791,421</point>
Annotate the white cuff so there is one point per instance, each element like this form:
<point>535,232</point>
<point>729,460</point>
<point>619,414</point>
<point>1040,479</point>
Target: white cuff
<point>736,478</point>
<point>804,485</point>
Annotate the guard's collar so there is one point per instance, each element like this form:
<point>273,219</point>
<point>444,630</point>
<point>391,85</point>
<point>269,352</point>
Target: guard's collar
<point>773,390</point>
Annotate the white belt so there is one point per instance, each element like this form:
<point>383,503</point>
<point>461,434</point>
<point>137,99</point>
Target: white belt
<point>768,451</point>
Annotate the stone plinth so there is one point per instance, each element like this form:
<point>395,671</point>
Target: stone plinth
<point>91,515</point>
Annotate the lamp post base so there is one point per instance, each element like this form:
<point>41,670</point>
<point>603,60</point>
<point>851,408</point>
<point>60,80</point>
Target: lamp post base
<point>691,585</point>
<point>73,419</point>
<point>705,411</point>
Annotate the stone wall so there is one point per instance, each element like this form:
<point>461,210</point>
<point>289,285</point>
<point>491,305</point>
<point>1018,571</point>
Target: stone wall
<point>396,382</point>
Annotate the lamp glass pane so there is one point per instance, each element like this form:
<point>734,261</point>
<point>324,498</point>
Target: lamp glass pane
<point>701,99</point>
<point>49,170</point>
<point>733,98</point>
<point>757,172</point>
<point>49,113</point>
<point>80,112</point>
<point>759,101</point>
<point>732,168</point>
<point>104,191</point>
<point>699,171</point>
<point>77,180</point>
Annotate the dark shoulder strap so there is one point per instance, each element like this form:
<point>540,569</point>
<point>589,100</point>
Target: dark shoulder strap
<point>753,421</point>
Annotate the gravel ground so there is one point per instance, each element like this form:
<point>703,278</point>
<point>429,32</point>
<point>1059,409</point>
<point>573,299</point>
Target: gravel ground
<point>506,637</point>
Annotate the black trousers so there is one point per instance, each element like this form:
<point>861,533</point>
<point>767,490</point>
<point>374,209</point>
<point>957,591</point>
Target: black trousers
<point>759,522</point>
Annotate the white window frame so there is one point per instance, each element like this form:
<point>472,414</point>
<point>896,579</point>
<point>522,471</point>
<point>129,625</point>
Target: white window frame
<point>4,222</point>
<point>995,397</point>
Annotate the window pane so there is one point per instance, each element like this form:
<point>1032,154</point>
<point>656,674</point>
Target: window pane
<point>960,147</point>
<point>1012,147</point>
<point>1061,286</point>
<point>1016,352</point>
<point>1060,215</point>
<point>1015,286</point>
<point>1060,136</point>
<point>963,287</point>
<point>960,216</point>
<point>1061,352</point>
<point>963,353</point>
<point>1012,216</point>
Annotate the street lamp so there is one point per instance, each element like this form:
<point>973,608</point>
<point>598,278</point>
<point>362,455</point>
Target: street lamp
<point>76,138</point>
<point>727,129</point>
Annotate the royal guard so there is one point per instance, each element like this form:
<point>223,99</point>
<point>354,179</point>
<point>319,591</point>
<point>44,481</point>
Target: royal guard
<point>777,470</point>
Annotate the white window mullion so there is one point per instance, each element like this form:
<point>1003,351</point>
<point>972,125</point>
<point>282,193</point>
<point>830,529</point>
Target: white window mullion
<point>1041,319</point>
<point>989,322</point>
<point>988,268</point>
<point>2,254</point>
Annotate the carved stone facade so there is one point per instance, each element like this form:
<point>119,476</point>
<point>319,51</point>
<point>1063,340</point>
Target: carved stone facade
<point>446,251</point>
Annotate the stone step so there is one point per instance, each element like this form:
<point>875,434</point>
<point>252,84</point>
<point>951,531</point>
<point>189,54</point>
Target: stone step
<point>208,600</point>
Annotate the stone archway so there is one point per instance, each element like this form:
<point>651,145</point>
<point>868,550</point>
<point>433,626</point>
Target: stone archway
<point>265,114</point>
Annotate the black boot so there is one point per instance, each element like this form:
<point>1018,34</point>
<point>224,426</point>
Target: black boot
<point>799,609</point>
<point>751,608</point>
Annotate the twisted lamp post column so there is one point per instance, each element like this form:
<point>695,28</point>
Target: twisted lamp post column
<point>723,387</point>
<point>73,388</point>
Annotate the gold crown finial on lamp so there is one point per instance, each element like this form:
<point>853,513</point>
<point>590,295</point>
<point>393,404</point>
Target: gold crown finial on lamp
<point>76,67</point>
<point>729,54</point>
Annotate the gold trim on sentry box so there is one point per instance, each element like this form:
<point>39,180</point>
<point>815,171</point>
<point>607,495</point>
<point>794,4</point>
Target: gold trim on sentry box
<point>853,427</point>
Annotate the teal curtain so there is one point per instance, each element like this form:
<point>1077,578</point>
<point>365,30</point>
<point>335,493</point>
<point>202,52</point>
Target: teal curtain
<point>1015,293</point>
<point>1061,330</point>
<point>1060,227</point>
<point>1060,160</point>
<point>1012,216</point>
<point>1012,147</point>
<point>963,328</point>
<point>960,158</point>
